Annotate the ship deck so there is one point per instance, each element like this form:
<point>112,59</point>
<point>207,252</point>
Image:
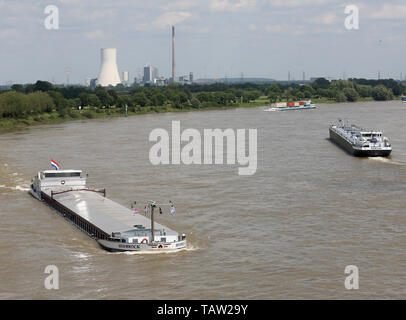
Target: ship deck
<point>104,213</point>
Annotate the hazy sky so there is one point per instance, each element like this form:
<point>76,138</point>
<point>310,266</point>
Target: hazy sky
<point>214,38</point>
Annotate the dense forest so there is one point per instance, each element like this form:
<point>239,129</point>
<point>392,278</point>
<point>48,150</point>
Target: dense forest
<point>32,100</point>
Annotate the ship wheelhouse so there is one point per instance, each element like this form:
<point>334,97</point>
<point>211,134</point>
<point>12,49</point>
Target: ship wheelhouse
<point>59,179</point>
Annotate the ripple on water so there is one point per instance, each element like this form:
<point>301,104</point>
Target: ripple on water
<point>286,232</point>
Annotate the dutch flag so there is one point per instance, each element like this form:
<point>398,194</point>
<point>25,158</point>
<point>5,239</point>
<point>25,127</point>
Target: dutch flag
<point>54,164</point>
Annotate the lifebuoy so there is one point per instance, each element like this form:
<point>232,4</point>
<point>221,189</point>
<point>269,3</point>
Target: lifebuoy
<point>62,181</point>
<point>145,240</point>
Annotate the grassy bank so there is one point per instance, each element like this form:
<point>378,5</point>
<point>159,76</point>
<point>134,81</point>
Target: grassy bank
<point>13,124</point>
<point>327,100</point>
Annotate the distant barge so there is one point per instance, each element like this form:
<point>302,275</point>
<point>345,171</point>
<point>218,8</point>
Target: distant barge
<point>112,225</point>
<point>360,142</point>
<point>290,106</point>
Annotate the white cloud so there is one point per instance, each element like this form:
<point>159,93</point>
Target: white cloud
<point>9,34</point>
<point>327,18</point>
<point>96,34</point>
<point>390,11</point>
<point>168,19</point>
<point>295,3</point>
<point>180,5</point>
<point>70,1</point>
<point>274,28</point>
<point>299,29</point>
<point>86,14</point>
<point>226,5</point>
<point>165,20</point>
<point>195,29</point>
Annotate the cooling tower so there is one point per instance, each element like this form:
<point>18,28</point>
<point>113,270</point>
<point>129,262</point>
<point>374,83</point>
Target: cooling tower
<point>108,71</point>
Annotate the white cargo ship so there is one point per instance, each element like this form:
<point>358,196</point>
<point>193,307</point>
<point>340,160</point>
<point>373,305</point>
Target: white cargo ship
<point>113,226</point>
<point>360,142</point>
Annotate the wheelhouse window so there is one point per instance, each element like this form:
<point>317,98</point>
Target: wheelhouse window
<point>62,174</point>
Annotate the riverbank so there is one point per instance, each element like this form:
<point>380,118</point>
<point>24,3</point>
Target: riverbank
<point>327,100</point>
<point>15,124</point>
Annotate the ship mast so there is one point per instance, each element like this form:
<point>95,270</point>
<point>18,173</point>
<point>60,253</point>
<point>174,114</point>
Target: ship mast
<point>152,205</point>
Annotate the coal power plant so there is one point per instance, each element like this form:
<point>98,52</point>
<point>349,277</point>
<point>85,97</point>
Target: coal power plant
<point>109,74</point>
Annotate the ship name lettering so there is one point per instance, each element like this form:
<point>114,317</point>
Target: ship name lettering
<point>128,246</point>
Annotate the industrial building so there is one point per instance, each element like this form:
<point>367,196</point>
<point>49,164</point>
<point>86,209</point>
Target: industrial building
<point>126,78</point>
<point>150,74</point>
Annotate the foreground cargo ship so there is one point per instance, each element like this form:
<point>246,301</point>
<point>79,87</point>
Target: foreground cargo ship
<point>112,225</point>
<point>360,142</point>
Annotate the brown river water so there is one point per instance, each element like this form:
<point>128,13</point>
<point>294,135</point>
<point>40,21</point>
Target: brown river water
<point>287,232</point>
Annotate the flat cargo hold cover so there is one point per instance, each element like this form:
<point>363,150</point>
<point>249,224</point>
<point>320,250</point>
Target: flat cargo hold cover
<point>104,213</point>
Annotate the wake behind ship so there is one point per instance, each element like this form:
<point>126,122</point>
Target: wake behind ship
<point>360,142</point>
<point>113,226</point>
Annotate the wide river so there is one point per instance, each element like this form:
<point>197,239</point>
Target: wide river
<point>287,232</point>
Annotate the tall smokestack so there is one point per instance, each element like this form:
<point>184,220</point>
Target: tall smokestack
<point>173,54</point>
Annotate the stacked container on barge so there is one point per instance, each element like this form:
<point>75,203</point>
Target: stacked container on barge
<point>290,106</point>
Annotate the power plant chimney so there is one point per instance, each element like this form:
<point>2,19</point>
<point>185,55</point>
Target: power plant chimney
<point>173,54</point>
<point>108,71</point>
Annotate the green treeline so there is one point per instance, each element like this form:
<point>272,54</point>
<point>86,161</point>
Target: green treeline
<point>43,97</point>
<point>34,100</point>
<point>338,90</point>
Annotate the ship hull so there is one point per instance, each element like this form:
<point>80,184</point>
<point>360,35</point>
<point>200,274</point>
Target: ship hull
<point>297,108</point>
<point>114,246</point>
<point>290,108</point>
<point>344,144</point>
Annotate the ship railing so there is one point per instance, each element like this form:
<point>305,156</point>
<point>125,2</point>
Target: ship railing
<point>102,191</point>
<point>181,237</point>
